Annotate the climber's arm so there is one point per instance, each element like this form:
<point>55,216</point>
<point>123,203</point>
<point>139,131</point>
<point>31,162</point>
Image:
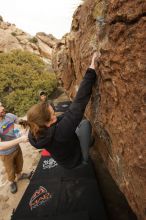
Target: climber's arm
<point>67,126</point>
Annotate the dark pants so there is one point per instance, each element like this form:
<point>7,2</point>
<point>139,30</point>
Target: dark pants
<point>84,131</point>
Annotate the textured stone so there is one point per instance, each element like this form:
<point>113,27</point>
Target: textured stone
<point>49,39</point>
<point>15,38</point>
<point>117,29</point>
<point>5,206</point>
<point>8,42</point>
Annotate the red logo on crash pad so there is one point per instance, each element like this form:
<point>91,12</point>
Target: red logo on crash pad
<point>39,197</point>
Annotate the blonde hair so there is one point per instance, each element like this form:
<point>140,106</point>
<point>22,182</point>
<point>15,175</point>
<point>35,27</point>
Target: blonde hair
<point>37,116</point>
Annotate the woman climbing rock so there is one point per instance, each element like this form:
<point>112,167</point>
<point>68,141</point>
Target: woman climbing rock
<point>68,137</point>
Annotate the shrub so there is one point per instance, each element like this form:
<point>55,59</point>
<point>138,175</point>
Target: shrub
<point>22,75</point>
<point>33,40</point>
<point>14,34</point>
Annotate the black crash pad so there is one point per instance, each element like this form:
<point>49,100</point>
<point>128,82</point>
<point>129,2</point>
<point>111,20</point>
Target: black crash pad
<point>70,216</point>
<point>55,193</point>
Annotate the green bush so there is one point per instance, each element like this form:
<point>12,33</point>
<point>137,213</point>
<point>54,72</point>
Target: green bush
<point>14,34</point>
<point>33,40</point>
<point>22,75</point>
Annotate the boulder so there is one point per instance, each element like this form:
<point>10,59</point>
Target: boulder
<point>12,38</point>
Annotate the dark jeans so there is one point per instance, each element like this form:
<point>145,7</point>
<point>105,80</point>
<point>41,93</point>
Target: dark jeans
<point>84,131</point>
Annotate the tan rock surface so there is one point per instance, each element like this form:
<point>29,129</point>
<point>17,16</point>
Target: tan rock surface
<point>8,42</point>
<point>13,38</point>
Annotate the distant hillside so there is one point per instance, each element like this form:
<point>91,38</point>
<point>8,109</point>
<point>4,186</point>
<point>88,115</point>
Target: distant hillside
<point>12,37</point>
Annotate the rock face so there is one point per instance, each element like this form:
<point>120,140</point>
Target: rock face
<point>13,38</point>
<point>116,28</point>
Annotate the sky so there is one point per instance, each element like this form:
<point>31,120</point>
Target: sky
<point>32,16</point>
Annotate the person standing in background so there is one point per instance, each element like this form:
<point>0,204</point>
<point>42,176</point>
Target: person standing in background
<point>12,158</point>
<point>42,96</point>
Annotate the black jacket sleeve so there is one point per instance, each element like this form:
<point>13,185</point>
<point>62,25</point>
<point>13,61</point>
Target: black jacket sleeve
<point>67,126</point>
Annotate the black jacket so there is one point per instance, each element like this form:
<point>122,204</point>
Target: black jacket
<point>60,139</point>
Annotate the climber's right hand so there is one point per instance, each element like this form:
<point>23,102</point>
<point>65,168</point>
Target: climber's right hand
<point>94,61</point>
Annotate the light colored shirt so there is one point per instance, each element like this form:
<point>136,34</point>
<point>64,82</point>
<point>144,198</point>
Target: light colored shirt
<point>7,131</point>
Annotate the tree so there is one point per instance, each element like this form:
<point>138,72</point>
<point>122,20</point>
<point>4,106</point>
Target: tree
<point>22,75</point>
